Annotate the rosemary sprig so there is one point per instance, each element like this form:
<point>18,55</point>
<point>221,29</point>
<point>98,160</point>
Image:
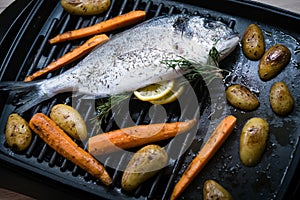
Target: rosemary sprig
<point>214,57</point>
<point>195,70</point>
<point>104,106</point>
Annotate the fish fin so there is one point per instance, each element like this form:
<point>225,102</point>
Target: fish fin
<point>25,94</point>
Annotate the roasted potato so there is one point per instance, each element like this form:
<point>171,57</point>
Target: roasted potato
<point>85,7</point>
<point>253,43</point>
<point>18,134</point>
<point>69,119</point>
<point>240,97</point>
<point>273,61</point>
<point>144,164</point>
<point>253,140</point>
<point>213,191</point>
<point>281,100</point>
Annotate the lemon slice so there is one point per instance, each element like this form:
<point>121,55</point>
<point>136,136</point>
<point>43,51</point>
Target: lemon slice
<point>170,97</point>
<point>154,91</point>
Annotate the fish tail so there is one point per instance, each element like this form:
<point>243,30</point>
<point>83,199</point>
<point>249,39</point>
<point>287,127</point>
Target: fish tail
<point>25,94</point>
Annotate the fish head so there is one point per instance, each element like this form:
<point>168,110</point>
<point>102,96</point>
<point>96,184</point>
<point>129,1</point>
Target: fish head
<point>207,33</point>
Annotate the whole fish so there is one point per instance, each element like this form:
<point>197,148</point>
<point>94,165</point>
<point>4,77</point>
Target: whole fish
<point>133,59</point>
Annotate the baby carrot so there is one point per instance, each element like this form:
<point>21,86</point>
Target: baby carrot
<point>134,136</point>
<point>117,22</point>
<point>57,139</point>
<point>214,142</point>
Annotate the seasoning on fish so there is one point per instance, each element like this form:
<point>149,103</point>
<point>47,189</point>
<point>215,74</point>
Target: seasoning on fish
<point>133,59</point>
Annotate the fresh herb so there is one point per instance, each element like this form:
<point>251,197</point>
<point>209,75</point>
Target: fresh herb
<point>195,70</point>
<point>104,106</point>
<point>214,57</point>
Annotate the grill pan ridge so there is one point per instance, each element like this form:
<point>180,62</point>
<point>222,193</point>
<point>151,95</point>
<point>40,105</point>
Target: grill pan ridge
<point>37,21</point>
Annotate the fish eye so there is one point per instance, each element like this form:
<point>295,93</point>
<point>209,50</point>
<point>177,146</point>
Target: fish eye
<point>181,23</point>
<point>208,24</point>
<point>175,46</point>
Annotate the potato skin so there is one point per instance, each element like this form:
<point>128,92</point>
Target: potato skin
<point>69,119</point>
<point>18,134</point>
<point>144,164</point>
<point>213,191</point>
<point>253,140</point>
<point>253,43</point>
<point>85,7</point>
<point>273,61</point>
<point>240,97</point>
<point>281,100</point>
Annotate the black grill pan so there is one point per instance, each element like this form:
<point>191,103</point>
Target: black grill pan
<point>25,29</point>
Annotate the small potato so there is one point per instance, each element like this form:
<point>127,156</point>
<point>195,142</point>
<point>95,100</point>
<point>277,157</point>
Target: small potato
<point>18,134</point>
<point>240,97</point>
<point>85,7</point>
<point>253,141</point>
<point>253,43</point>
<point>273,61</point>
<point>144,164</point>
<point>281,100</point>
<point>69,119</point>
<point>213,191</point>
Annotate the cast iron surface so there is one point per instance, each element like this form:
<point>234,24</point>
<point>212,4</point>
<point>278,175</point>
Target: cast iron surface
<point>24,48</point>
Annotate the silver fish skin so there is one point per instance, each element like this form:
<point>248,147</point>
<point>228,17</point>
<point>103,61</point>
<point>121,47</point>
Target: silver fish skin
<point>132,59</point>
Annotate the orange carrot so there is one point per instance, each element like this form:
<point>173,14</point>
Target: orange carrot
<point>214,142</point>
<point>57,139</point>
<point>69,57</point>
<point>135,136</point>
<point>117,22</point>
